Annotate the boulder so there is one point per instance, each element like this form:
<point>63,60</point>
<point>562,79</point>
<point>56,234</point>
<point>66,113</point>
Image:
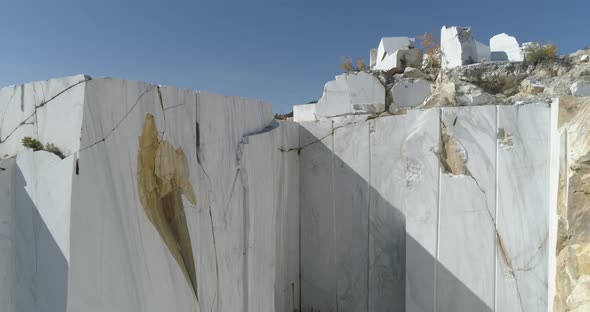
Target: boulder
<point>414,73</point>
<point>580,88</point>
<point>505,48</point>
<point>585,58</point>
<point>352,93</point>
<point>409,93</point>
<point>532,86</point>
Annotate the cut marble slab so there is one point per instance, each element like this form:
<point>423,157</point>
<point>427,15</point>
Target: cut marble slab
<point>523,207</point>
<point>467,235</point>
<point>287,285</point>
<point>318,263</point>
<point>351,176</point>
<point>387,221</point>
<point>256,173</point>
<point>7,232</point>
<point>422,201</point>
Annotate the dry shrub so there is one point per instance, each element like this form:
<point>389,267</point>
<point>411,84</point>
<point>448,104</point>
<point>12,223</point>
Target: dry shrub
<point>534,53</point>
<point>431,49</point>
<point>348,66</point>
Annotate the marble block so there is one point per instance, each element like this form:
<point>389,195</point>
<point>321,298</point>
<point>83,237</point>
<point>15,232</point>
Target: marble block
<point>409,93</point>
<point>318,263</point>
<point>398,60</point>
<point>271,229</point>
<point>580,88</point>
<point>458,47</point>
<point>421,205</point>
<point>505,48</point>
<point>79,236</point>
<point>352,93</point>
<point>483,52</point>
<point>523,193</point>
<point>387,221</point>
<point>304,112</point>
<point>351,171</point>
<point>467,235</point>
<point>389,45</point>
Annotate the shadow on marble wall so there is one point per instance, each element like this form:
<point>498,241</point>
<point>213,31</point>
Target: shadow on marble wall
<point>41,270</point>
<point>354,245</point>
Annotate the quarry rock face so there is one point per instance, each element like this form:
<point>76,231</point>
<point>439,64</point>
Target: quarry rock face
<point>461,188</point>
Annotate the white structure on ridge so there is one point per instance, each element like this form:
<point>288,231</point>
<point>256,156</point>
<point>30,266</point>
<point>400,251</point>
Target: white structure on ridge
<point>395,53</point>
<point>459,47</point>
<point>505,48</point>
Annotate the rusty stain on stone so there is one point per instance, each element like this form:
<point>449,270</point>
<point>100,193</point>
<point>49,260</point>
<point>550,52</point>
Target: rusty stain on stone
<point>162,179</point>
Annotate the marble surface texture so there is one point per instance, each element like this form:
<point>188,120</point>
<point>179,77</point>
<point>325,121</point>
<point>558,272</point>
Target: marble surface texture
<point>75,236</point>
<point>436,240</point>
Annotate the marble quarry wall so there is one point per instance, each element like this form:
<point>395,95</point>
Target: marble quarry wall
<point>446,209</point>
<point>159,200</point>
<point>141,197</point>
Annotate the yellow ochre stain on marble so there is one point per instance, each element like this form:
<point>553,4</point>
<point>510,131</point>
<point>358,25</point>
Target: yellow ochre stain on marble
<point>162,179</point>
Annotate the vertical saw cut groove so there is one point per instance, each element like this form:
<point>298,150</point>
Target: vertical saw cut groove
<point>162,179</point>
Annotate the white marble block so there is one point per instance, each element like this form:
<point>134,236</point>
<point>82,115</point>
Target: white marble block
<point>505,48</point>
<point>580,88</point>
<point>458,47</point>
<point>400,59</point>
<point>387,220</point>
<point>352,93</point>
<point>304,112</point>
<point>409,93</point>
<point>467,244</point>
<point>316,172</point>
<point>389,45</point>
<point>483,52</point>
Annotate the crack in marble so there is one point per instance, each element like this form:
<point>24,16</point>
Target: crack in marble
<point>459,167</point>
<point>43,103</point>
<point>118,124</point>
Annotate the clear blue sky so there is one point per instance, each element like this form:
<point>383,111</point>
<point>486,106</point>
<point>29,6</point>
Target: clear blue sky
<point>281,51</point>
